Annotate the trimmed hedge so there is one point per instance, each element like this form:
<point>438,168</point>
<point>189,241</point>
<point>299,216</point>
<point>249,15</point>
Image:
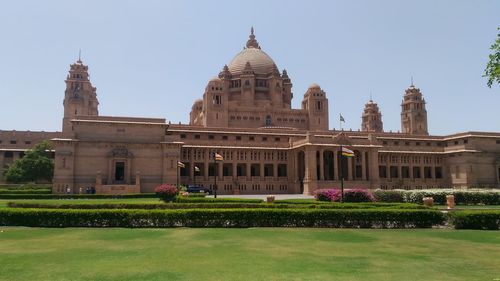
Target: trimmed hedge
<point>361,218</point>
<point>25,186</point>
<point>59,205</point>
<point>462,197</point>
<point>182,199</point>
<point>75,196</point>
<point>25,191</point>
<point>487,219</point>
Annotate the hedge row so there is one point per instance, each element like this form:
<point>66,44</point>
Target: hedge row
<point>183,199</point>
<point>58,205</point>
<point>487,219</point>
<point>462,197</point>
<point>25,191</point>
<point>366,218</point>
<point>25,186</point>
<point>75,196</point>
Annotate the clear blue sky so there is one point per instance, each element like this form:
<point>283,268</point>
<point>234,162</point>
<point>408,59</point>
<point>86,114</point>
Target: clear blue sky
<point>154,58</point>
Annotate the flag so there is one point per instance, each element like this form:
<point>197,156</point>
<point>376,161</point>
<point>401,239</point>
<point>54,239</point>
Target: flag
<point>342,118</point>
<point>218,157</point>
<point>347,152</point>
<point>180,164</point>
<point>196,169</point>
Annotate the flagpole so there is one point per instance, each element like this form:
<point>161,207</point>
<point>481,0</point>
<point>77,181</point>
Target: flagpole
<point>215,178</point>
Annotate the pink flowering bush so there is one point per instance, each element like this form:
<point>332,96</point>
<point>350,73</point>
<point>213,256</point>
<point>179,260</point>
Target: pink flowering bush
<point>358,195</point>
<point>327,194</point>
<point>350,195</point>
<point>166,192</point>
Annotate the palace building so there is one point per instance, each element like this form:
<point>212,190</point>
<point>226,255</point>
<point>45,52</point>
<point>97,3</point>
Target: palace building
<point>268,147</point>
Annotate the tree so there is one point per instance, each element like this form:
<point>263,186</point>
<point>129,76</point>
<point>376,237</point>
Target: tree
<point>35,165</point>
<point>492,70</point>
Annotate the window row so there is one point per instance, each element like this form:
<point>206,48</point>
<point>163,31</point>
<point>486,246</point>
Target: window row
<point>256,170</point>
<point>394,172</point>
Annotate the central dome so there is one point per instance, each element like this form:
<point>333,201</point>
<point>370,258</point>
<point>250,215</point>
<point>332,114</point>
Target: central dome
<point>260,62</point>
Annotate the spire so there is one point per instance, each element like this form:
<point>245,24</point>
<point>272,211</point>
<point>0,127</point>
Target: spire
<point>412,82</point>
<point>252,42</point>
<point>79,56</point>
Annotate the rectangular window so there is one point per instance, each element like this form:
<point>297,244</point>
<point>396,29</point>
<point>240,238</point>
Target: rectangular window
<point>227,170</point>
<point>394,172</point>
<point>264,138</point>
<point>282,170</point>
<point>358,173</point>
<point>183,136</point>
<point>268,170</point>
<point>238,138</point>
<point>224,137</point>
<point>251,138</point>
<point>382,171</point>
<point>210,137</point>
<point>27,142</point>
<point>197,137</point>
<point>428,172</point>
<point>416,173</point>
<point>405,172</point>
<point>211,169</point>
<point>255,170</point>
<point>439,172</point>
<point>13,142</point>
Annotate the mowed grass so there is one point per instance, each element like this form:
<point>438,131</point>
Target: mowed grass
<point>247,254</point>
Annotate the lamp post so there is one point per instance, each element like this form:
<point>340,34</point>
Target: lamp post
<point>215,177</point>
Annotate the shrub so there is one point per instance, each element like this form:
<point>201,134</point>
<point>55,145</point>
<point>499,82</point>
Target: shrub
<point>484,219</point>
<point>364,218</point>
<point>390,196</point>
<point>462,197</point>
<point>358,195</point>
<point>350,195</point>
<point>327,194</point>
<point>166,192</point>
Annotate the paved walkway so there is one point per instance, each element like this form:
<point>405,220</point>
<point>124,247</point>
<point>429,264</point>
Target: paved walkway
<point>263,196</point>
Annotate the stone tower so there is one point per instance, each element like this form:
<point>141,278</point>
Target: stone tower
<point>80,97</point>
<point>413,113</point>
<point>371,118</point>
<point>316,104</point>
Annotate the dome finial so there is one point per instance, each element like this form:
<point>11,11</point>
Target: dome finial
<point>79,56</point>
<point>252,43</point>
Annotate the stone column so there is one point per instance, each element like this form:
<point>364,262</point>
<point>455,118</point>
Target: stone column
<point>336,164</point>
<point>249,171</point>
<point>363,165</point>
<point>206,162</point>
<point>220,166</point>
<point>191,164</point>
<point>261,167</point>
<point>235,170</point>
<point>349,168</point>
<point>321,166</point>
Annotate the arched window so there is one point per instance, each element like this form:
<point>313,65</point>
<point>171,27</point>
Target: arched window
<point>268,120</point>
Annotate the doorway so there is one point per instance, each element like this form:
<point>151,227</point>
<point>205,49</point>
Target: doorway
<point>119,172</point>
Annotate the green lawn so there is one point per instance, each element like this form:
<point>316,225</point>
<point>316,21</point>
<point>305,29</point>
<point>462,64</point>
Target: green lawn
<point>248,254</point>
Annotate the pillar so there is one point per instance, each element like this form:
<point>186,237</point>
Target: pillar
<point>321,166</point>
<point>336,164</point>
